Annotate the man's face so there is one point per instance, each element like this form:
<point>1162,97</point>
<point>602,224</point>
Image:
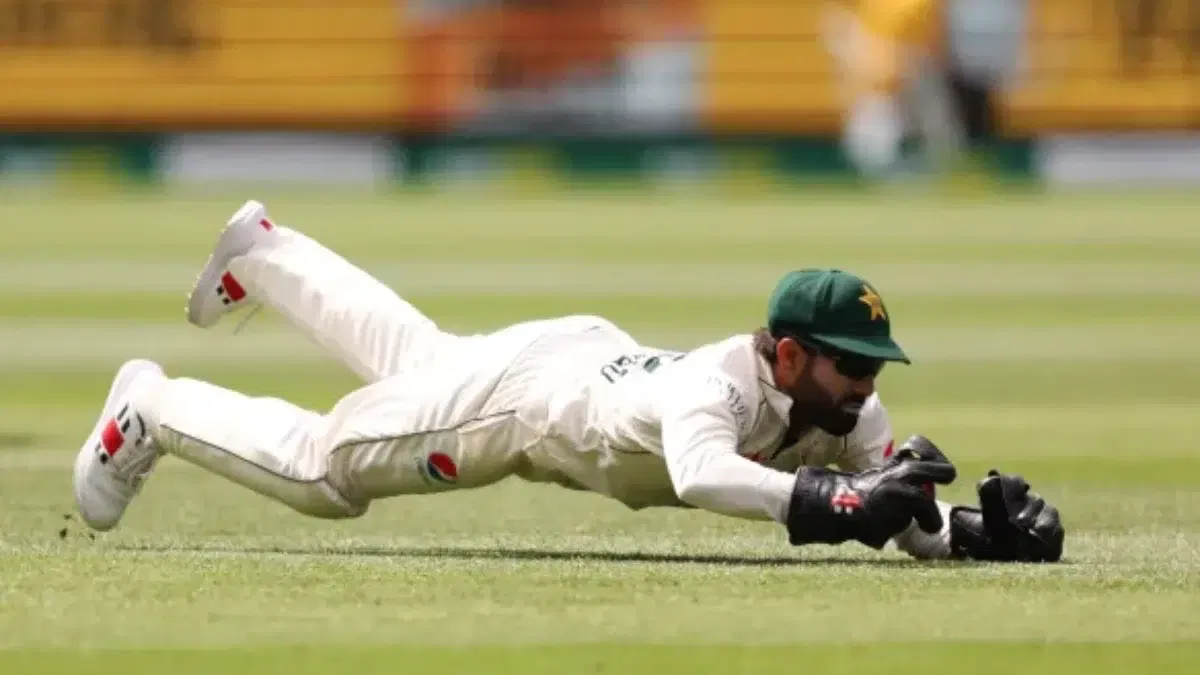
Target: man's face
<point>822,394</point>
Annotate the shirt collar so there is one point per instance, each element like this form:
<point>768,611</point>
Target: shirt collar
<point>780,402</point>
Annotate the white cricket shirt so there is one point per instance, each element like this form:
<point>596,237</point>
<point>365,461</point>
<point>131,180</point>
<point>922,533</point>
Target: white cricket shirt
<point>701,429</point>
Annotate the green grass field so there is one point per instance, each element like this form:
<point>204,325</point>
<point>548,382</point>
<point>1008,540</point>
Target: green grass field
<point>1054,337</point>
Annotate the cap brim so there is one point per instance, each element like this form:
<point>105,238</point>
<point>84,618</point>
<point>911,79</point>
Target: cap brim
<point>876,347</point>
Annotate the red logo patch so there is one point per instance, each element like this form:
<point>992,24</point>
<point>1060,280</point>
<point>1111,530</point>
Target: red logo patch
<point>266,224</point>
<point>232,288</point>
<point>111,437</point>
<point>847,500</point>
<point>441,468</point>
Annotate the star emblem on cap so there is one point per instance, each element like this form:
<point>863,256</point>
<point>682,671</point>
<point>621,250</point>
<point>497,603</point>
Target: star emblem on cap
<point>871,299</point>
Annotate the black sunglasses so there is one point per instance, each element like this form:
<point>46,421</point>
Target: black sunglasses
<point>847,364</point>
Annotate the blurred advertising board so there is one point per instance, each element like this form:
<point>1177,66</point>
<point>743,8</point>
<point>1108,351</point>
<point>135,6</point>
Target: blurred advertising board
<point>569,66</point>
<point>179,64</point>
<point>618,66</point>
<point>545,67</point>
<point>769,68</point>
<point>1100,65</point>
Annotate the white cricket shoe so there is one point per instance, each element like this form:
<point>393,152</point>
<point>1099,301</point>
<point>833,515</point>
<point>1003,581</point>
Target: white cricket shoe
<point>217,292</point>
<point>118,456</point>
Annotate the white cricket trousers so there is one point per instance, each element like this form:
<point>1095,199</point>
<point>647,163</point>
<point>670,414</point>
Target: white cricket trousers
<point>439,412</point>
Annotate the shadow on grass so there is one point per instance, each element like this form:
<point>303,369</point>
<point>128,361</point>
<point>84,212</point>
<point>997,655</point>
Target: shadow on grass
<point>537,555</point>
<point>17,440</point>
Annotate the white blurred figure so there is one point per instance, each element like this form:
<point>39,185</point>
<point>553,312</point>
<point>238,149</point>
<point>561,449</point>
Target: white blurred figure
<point>934,69</point>
<point>892,80</point>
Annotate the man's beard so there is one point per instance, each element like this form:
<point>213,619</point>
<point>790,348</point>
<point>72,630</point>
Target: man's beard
<point>838,420</point>
<point>812,406</point>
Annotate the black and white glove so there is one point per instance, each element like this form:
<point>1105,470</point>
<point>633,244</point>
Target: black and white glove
<point>1011,524</point>
<point>872,506</point>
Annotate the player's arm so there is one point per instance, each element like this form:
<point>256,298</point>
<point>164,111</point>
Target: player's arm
<point>703,418</point>
<point>871,444</point>
<point>1010,524</point>
<point>702,421</point>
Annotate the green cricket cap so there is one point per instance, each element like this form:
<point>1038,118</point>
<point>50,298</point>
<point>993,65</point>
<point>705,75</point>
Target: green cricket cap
<point>835,308</point>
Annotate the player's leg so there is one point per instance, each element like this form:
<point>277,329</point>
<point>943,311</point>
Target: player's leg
<point>873,133</point>
<point>936,117</point>
<point>873,125</point>
<point>385,439</point>
<point>360,321</point>
<point>265,444</point>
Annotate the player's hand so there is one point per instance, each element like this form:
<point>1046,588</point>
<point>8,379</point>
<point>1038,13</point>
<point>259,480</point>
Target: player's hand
<point>1011,524</point>
<point>871,507</point>
<point>920,447</point>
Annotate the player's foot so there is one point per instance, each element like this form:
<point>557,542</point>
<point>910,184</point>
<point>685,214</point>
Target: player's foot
<point>119,454</point>
<point>217,292</point>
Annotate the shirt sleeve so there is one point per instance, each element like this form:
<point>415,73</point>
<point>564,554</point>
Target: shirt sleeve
<point>872,444</point>
<point>703,421</point>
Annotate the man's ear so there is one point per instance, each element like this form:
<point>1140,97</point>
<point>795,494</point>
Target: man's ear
<point>790,356</point>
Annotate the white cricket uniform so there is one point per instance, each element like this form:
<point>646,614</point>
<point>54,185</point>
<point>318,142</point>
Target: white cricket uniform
<point>574,401</point>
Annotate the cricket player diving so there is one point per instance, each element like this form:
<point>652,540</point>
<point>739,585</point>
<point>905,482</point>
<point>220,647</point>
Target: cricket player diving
<point>782,424</point>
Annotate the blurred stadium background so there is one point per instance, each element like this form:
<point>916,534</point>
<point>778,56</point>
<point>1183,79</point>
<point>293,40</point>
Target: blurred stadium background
<point>420,92</point>
<point>659,162</point>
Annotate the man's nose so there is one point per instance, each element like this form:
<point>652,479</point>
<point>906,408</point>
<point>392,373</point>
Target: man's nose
<point>864,387</point>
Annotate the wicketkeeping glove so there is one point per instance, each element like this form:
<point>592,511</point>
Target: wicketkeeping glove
<point>871,507</point>
<point>920,447</point>
<point>1011,524</point>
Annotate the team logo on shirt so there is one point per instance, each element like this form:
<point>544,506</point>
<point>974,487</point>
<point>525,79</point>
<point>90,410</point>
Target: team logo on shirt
<point>438,467</point>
